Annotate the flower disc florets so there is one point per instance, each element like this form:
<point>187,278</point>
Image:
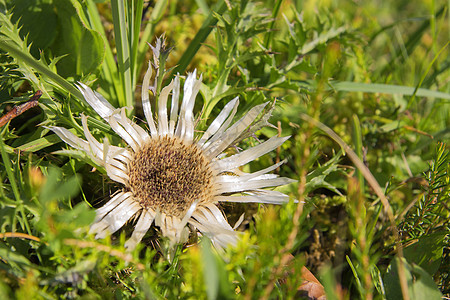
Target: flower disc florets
<point>168,175</point>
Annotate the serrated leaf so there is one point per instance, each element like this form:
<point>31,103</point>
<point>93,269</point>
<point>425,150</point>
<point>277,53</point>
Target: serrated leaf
<point>316,179</point>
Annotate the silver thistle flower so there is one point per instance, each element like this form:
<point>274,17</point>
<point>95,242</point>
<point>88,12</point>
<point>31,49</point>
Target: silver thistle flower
<point>172,177</point>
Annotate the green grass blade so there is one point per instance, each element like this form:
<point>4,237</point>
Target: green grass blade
<point>355,274</point>
<point>412,42</point>
<point>348,86</point>
<point>123,50</point>
<point>10,174</point>
<point>12,180</point>
<point>109,67</point>
<point>425,74</point>
<point>135,38</point>
<point>269,35</point>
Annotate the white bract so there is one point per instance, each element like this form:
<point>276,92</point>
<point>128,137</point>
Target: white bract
<point>171,176</point>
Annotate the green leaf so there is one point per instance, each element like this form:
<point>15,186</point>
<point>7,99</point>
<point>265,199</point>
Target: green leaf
<point>378,281</point>
<point>54,189</point>
<point>323,38</point>
<point>355,273</point>
<point>210,271</point>
<point>37,21</point>
<point>215,277</point>
<point>358,146</point>
<point>15,260</point>
<point>84,47</point>
<point>81,215</point>
<point>11,42</point>
<point>420,284</point>
<point>427,251</point>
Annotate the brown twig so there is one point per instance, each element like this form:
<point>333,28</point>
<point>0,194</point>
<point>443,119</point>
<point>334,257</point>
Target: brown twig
<point>20,109</point>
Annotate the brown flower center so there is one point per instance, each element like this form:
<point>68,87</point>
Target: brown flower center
<point>168,175</point>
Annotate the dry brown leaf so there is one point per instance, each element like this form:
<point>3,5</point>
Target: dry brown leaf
<point>311,287</point>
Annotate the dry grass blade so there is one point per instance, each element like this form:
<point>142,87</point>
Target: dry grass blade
<point>19,235</point>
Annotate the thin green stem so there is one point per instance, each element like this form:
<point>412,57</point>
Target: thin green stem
<point>357,141</point>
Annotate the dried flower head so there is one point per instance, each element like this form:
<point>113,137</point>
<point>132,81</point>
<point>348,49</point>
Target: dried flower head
<point>171,176</point>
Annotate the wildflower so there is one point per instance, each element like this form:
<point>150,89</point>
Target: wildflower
<point>172,177</point>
